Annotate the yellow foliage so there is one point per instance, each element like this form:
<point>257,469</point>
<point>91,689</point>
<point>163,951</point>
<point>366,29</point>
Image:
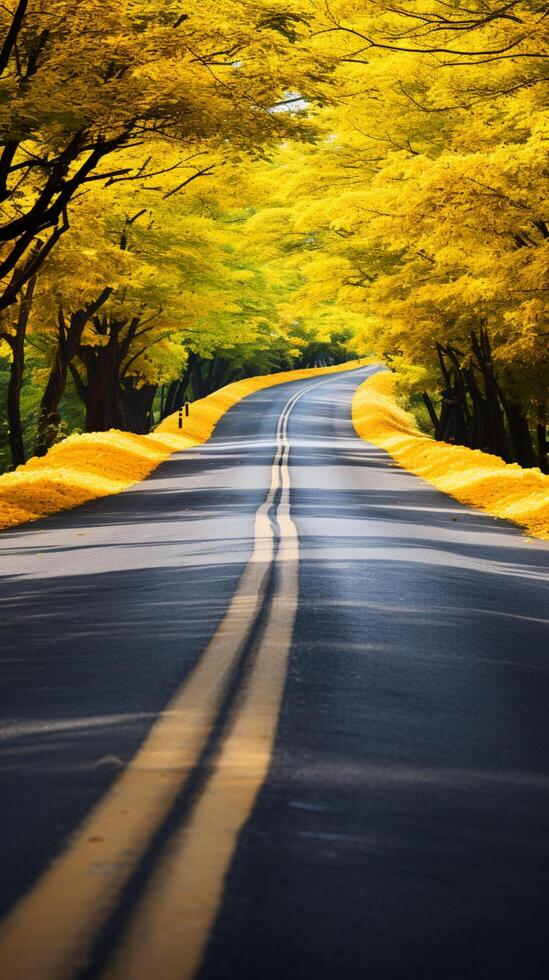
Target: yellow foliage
<point>504,490</point>
<point>84,467</point>
<point>266,171</point>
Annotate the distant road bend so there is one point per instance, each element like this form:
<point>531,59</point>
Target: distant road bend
<point>279,712</point>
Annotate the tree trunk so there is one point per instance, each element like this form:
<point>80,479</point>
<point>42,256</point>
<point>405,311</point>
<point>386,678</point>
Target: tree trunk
<point>68,343</point>
<point>498,440</point>
<point>137,407</point>
<point>173,398</point>
<point>17,370</point>
<point>102,410</point>
<point>521,439</point>
<point>543,462</point>
<point>211,374</point>
<point>430,408</point>
<point>49,418</point>
<point>15,385</point>
<point>475,410</point>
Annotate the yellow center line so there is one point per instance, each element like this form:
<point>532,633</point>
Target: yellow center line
<point>168,931</point>
<point>51,931</point>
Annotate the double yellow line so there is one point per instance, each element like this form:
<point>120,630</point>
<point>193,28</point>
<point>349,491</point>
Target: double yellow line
<point>51,932</point>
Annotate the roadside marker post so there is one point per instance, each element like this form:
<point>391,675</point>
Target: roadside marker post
<point>180,414</point>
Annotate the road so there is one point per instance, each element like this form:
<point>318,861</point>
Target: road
<point>280,711</point>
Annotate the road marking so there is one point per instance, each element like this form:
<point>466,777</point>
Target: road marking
<point>169,930</point>
<point>50,933</point>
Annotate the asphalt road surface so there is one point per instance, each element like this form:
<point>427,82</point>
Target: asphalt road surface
<point>279,712</point>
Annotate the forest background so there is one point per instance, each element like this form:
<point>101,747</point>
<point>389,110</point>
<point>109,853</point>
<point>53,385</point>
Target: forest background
<point>193,193</point>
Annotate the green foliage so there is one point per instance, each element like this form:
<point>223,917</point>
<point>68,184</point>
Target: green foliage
<point>257,186</point>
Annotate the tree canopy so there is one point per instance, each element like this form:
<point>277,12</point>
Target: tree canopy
<point>192,192</point>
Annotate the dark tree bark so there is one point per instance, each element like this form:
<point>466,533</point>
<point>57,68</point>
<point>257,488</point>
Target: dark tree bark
<point>475,410</point>
<point>210,374</point>
<point>543,447</point>
<point>479,434</point>
<point>519,432</point>
<point>103,409</point>
<point>17,367</point>
<point>107,365</point>
<point>11,36</point>
<point>68,343</point>
<point>431,409</point>
<point>481,349</point>
<point>57,172</point>
<point>173,396</point>
<point>137,406</point>
<point>40,226</point>
<point>16,341</point>
<point>49,211</point>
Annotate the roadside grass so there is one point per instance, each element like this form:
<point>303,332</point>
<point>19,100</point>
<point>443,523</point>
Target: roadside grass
<point>84,467</point>
<point>504,490</point>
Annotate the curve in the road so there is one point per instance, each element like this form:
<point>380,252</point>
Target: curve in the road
<point>400,829</point>
<point>116,833</point>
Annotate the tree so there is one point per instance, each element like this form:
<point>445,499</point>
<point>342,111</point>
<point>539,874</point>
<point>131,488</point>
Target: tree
<point>144,93</point>
<point>421,212</point>
<point>14,335</point>
<point>282,176</point>
<point>81,83</point>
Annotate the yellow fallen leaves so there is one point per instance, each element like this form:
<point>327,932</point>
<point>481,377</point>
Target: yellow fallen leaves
<point>504,490</point>
<point>84,467</point>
